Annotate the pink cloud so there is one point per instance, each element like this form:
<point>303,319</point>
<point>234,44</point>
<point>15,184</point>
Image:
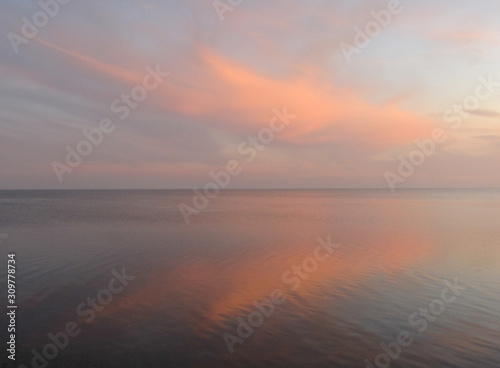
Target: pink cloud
<point>238,97</point>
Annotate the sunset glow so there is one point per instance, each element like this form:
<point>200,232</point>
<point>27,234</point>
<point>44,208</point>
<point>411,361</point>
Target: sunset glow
<point>359,107</point>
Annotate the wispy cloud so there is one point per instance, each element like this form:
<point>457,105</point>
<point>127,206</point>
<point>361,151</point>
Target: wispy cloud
<point>225,79</point>
<point>485,113</point>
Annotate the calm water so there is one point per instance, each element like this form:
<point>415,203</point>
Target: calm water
<point>194,284</point>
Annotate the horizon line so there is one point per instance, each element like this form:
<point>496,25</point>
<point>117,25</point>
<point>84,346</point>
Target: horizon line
<point>256,189</point>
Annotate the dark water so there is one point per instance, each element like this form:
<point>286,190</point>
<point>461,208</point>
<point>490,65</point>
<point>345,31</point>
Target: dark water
<point>194,284</point>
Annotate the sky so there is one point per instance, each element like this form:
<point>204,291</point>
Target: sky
<point>336,94</point>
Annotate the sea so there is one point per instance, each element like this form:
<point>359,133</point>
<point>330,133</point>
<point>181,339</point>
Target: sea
<point>257,278</point>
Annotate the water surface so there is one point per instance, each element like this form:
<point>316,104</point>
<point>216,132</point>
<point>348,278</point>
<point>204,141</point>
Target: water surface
<point>194,282</point>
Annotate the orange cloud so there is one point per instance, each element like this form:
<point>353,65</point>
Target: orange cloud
<point>464,36</point>
<point>235,96</point>
<point>95,65</point>
<point>238,96</point>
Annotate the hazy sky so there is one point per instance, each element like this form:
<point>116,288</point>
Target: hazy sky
<point>354,119</point>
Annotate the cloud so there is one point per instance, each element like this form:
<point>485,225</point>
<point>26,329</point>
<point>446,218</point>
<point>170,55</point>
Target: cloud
<point>242,98</point>
<point>494,138</point>
<point>485,113</point>
<point>466,36</point>
<point>97,66</point>
<point>226,77</point>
